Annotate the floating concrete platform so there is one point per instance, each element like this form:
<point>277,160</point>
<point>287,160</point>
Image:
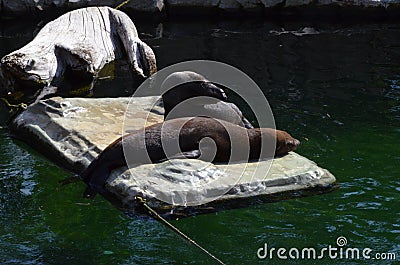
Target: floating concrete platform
<point>74,131</point>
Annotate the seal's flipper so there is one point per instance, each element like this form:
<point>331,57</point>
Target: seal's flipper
<point>194,154</point>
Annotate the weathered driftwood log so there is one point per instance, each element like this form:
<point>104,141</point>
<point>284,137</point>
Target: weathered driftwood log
<point>76,46</point>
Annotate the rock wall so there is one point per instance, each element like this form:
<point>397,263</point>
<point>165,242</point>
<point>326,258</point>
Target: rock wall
<point>11,8</point>
<point>19,7</point>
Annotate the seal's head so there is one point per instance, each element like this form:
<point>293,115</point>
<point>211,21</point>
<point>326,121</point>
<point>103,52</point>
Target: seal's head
<point>261,140</point>
<point>180,86</point>
<point>285,143</point>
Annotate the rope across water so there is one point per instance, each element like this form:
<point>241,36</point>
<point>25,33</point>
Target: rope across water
<point>156,216</point>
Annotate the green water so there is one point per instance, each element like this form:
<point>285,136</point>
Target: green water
<point>337,91</point>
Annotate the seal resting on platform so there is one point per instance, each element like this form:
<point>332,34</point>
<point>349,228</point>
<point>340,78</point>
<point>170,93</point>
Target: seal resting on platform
<point>199,137</point>
<point>75,47</point>
<point>189,94</point>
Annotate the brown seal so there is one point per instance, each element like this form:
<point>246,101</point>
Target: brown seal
<point>189,94</point>
<point>156,144</point>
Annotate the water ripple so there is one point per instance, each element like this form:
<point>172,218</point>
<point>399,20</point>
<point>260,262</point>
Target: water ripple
<point>369,205</point>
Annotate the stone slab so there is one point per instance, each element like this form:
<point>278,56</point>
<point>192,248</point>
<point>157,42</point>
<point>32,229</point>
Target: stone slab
<point>73,131</point>
<point>188,182</point>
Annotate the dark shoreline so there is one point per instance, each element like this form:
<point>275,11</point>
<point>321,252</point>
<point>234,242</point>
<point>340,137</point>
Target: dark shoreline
<point>329,11</point>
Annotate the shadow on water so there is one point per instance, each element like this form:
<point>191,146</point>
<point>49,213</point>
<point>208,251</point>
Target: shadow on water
<point>336,87</point>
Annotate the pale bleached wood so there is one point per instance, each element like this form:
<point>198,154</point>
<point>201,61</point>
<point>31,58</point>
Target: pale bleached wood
<point>83,40</point>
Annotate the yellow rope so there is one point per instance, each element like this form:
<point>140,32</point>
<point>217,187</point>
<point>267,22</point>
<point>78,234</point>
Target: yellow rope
<point>155,215</point>
<point>20,105</point>
<point>122,4</point>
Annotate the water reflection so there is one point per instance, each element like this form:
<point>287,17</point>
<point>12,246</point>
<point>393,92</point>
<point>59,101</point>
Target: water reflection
<point>394,95</point>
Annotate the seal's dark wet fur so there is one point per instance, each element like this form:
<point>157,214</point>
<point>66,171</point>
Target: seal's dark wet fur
<point>149,146</point>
